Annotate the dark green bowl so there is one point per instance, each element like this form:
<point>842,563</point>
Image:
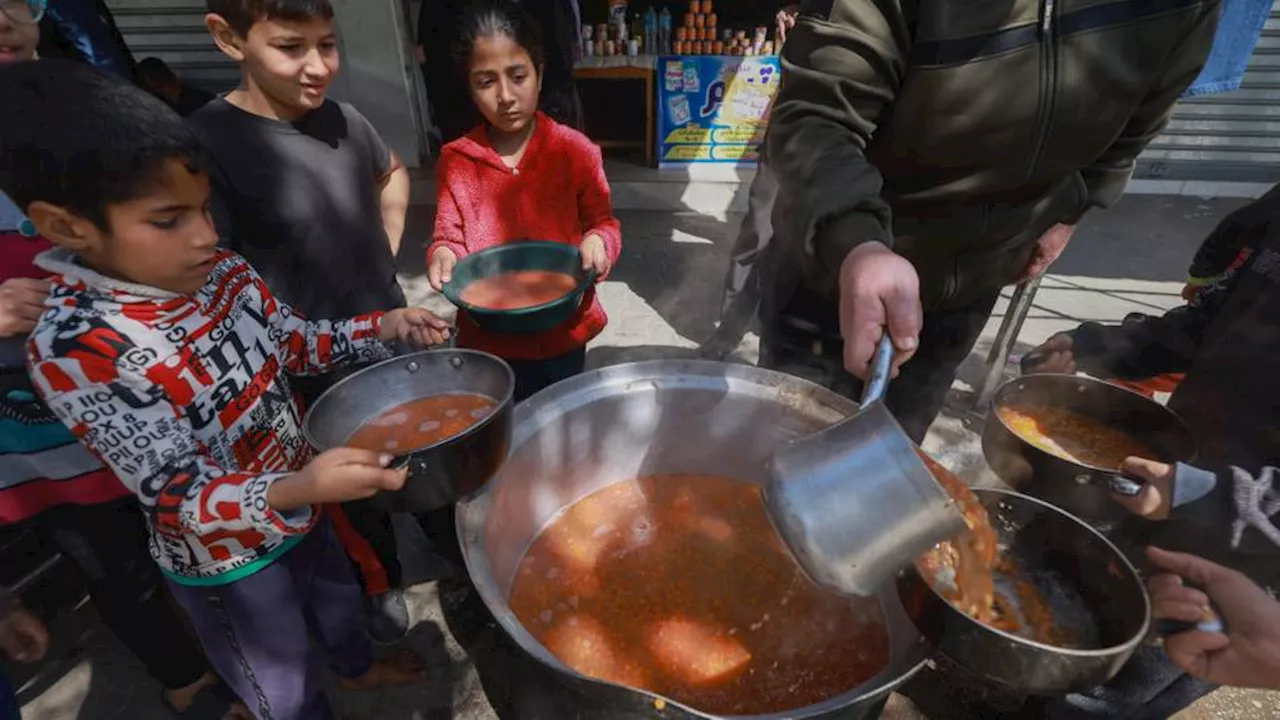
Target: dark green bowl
<point>521,255</point>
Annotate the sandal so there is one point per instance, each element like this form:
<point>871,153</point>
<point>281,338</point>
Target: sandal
<point>212,702</point>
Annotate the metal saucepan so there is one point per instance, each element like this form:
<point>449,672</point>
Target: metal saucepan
<point>643,419</point>
<point>1091,589</point>
<point>1082,490</point>
<point>439,474</point>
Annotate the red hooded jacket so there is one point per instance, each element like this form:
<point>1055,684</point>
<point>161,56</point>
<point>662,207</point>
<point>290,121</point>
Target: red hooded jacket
<point>557,192</point>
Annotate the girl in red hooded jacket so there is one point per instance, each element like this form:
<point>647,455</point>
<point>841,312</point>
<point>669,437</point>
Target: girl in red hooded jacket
<point>521,175</point>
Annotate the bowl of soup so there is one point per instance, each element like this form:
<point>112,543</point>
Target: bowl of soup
<point>522,287</point>
<point>444,414</point>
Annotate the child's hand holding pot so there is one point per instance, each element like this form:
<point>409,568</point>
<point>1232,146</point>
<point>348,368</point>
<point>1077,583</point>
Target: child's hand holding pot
<point>336,476</point>
<point>594,256</point>
<point>416,327</point>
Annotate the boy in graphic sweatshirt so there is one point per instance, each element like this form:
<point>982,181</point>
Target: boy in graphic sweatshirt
<point>168,358</point>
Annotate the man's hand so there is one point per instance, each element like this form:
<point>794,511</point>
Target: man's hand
<point>440,269</point>
<point>21,304</point>
<point>879,292</point>
<point>1249,654</point>
<point>786,19</point>
<point>1155,500</point>
<point>417,327</point>
<point>336,476</point>
<point>1048,248</point>
<point>594,257</point>
<point>1053,356</point>
<point>23,637</point>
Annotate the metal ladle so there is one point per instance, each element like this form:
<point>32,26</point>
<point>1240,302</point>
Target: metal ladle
<point>855,502</point>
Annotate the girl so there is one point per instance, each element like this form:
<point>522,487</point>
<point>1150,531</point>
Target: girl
<point>520,175</point>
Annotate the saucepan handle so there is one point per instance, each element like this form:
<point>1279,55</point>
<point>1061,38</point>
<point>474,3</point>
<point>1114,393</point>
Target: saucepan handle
<point>1122,485</point>
<point>1214,622</point>
<point>881,366</point>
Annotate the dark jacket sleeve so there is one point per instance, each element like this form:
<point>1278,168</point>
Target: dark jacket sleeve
<point>1232,498</point>
<point>1237,232</point>
<point>1107,176</point>
<point>1145,346</point>
<point>839,72</point>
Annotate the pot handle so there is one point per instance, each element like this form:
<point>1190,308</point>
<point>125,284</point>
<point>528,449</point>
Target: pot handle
<point>877,383</point>
<point>1122,485</point>
<point>1213,622</point>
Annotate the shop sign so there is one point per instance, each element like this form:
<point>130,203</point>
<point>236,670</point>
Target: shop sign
<point>713,108</point>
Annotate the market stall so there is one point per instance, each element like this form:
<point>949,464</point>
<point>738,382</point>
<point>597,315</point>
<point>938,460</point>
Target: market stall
<point>703,88</point>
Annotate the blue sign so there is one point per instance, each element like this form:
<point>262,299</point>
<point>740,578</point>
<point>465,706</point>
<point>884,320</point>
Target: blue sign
<point>714,108</point>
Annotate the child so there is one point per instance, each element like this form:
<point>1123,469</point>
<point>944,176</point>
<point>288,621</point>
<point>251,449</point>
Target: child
<point>167,358</point>
<point>308,193</point>
<point>52,485</point>
<point>520,175</point>
<point>1225,508</point>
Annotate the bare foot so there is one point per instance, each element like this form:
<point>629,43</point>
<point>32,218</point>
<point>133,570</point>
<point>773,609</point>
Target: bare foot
<point>238,711</point>
<point>403,668</point>
<point>182,697</point>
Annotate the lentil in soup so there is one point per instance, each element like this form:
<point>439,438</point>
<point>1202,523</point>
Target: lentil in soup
<point>1073,436</point>
<point>518,289</point>
<point>419,423</point>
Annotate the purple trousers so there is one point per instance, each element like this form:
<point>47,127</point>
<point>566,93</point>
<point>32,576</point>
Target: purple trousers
<point>258,631</point>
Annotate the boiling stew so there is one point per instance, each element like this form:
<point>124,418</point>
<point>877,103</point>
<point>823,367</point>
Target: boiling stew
<point>680,586</point>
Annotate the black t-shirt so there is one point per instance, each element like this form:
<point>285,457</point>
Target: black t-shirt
<point>301,202</point>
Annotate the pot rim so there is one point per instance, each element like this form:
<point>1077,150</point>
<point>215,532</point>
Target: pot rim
<point>1110,651</point>
<point>1006,388</point>
<point>399,459</point>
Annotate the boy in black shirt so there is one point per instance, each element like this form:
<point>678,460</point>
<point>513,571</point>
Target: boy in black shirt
<point>307,191</point>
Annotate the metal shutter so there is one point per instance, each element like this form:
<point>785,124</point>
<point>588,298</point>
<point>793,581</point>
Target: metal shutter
<point>1230,136</point>
<point>174,31</point>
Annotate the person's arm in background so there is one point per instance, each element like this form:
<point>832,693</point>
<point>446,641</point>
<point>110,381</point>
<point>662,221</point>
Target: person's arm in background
<point>602,241</point>
<point>448,239</point>
<point>393,199</point>
<point>1236,234</point>
<point>839,73</point>
<point>1107,177</point>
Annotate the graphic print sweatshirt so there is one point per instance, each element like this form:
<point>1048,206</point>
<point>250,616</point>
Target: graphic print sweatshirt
<point>185,398</point>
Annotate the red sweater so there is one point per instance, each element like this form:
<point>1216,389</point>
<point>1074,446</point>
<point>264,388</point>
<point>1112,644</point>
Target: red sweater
<point>557,192</point>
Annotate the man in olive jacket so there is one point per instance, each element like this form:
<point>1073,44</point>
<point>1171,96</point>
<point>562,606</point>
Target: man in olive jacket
<point>930,152</point>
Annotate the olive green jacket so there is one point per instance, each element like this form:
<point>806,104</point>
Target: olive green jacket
<point>958,131</point>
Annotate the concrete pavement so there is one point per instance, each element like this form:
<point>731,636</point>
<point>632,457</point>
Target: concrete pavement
<point>662,301</point>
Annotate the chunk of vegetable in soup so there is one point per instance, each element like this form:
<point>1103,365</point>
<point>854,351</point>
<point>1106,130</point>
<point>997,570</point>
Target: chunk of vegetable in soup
<point>680,586</point>
<point>1073,436</point>
<point>518,289</point>
<point>420,423</point>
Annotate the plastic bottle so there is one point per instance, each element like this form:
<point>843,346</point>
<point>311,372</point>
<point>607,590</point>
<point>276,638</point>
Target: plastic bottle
<point>664,31</point>
<point>651,31</point>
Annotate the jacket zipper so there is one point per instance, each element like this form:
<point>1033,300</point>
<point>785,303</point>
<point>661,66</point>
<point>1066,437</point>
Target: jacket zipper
<point>1049,80</point>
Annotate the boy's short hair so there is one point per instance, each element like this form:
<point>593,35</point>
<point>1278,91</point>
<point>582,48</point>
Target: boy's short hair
<point>75,137</point>
<point>242,14</point>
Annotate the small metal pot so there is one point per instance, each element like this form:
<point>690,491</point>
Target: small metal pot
<point>1088,583</point>
<point>1082,490</point>
<point>439,474</point>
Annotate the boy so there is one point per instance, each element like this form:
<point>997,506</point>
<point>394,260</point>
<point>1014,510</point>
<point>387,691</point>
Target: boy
<point>1225,508</point>
<point>308,193</point>
<point>167,358</point>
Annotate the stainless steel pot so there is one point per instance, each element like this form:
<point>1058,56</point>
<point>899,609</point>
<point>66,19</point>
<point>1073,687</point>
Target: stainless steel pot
<point>1082,490</point>
<point>1090,586</point>
<point>440,474</point>
<point>642,419</point>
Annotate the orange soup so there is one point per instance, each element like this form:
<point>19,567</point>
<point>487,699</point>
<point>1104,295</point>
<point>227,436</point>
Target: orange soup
<point>420,423</point>
<point>518,289</point>
<point>680,586</point>
<point>1073,436</point>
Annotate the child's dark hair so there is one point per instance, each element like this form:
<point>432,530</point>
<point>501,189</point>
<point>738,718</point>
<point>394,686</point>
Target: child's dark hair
<point>75,137</point>
<point>490,18</point>
<point>242,14</point>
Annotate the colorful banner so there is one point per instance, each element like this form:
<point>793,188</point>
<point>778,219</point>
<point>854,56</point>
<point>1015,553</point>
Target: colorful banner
<point>714,108</point>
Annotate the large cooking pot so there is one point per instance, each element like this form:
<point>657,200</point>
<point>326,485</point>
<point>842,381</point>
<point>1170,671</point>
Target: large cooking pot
<point>1082,490</point>
<point>1089,585</point>
<point>642,419</point>
<point>439,474</point>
